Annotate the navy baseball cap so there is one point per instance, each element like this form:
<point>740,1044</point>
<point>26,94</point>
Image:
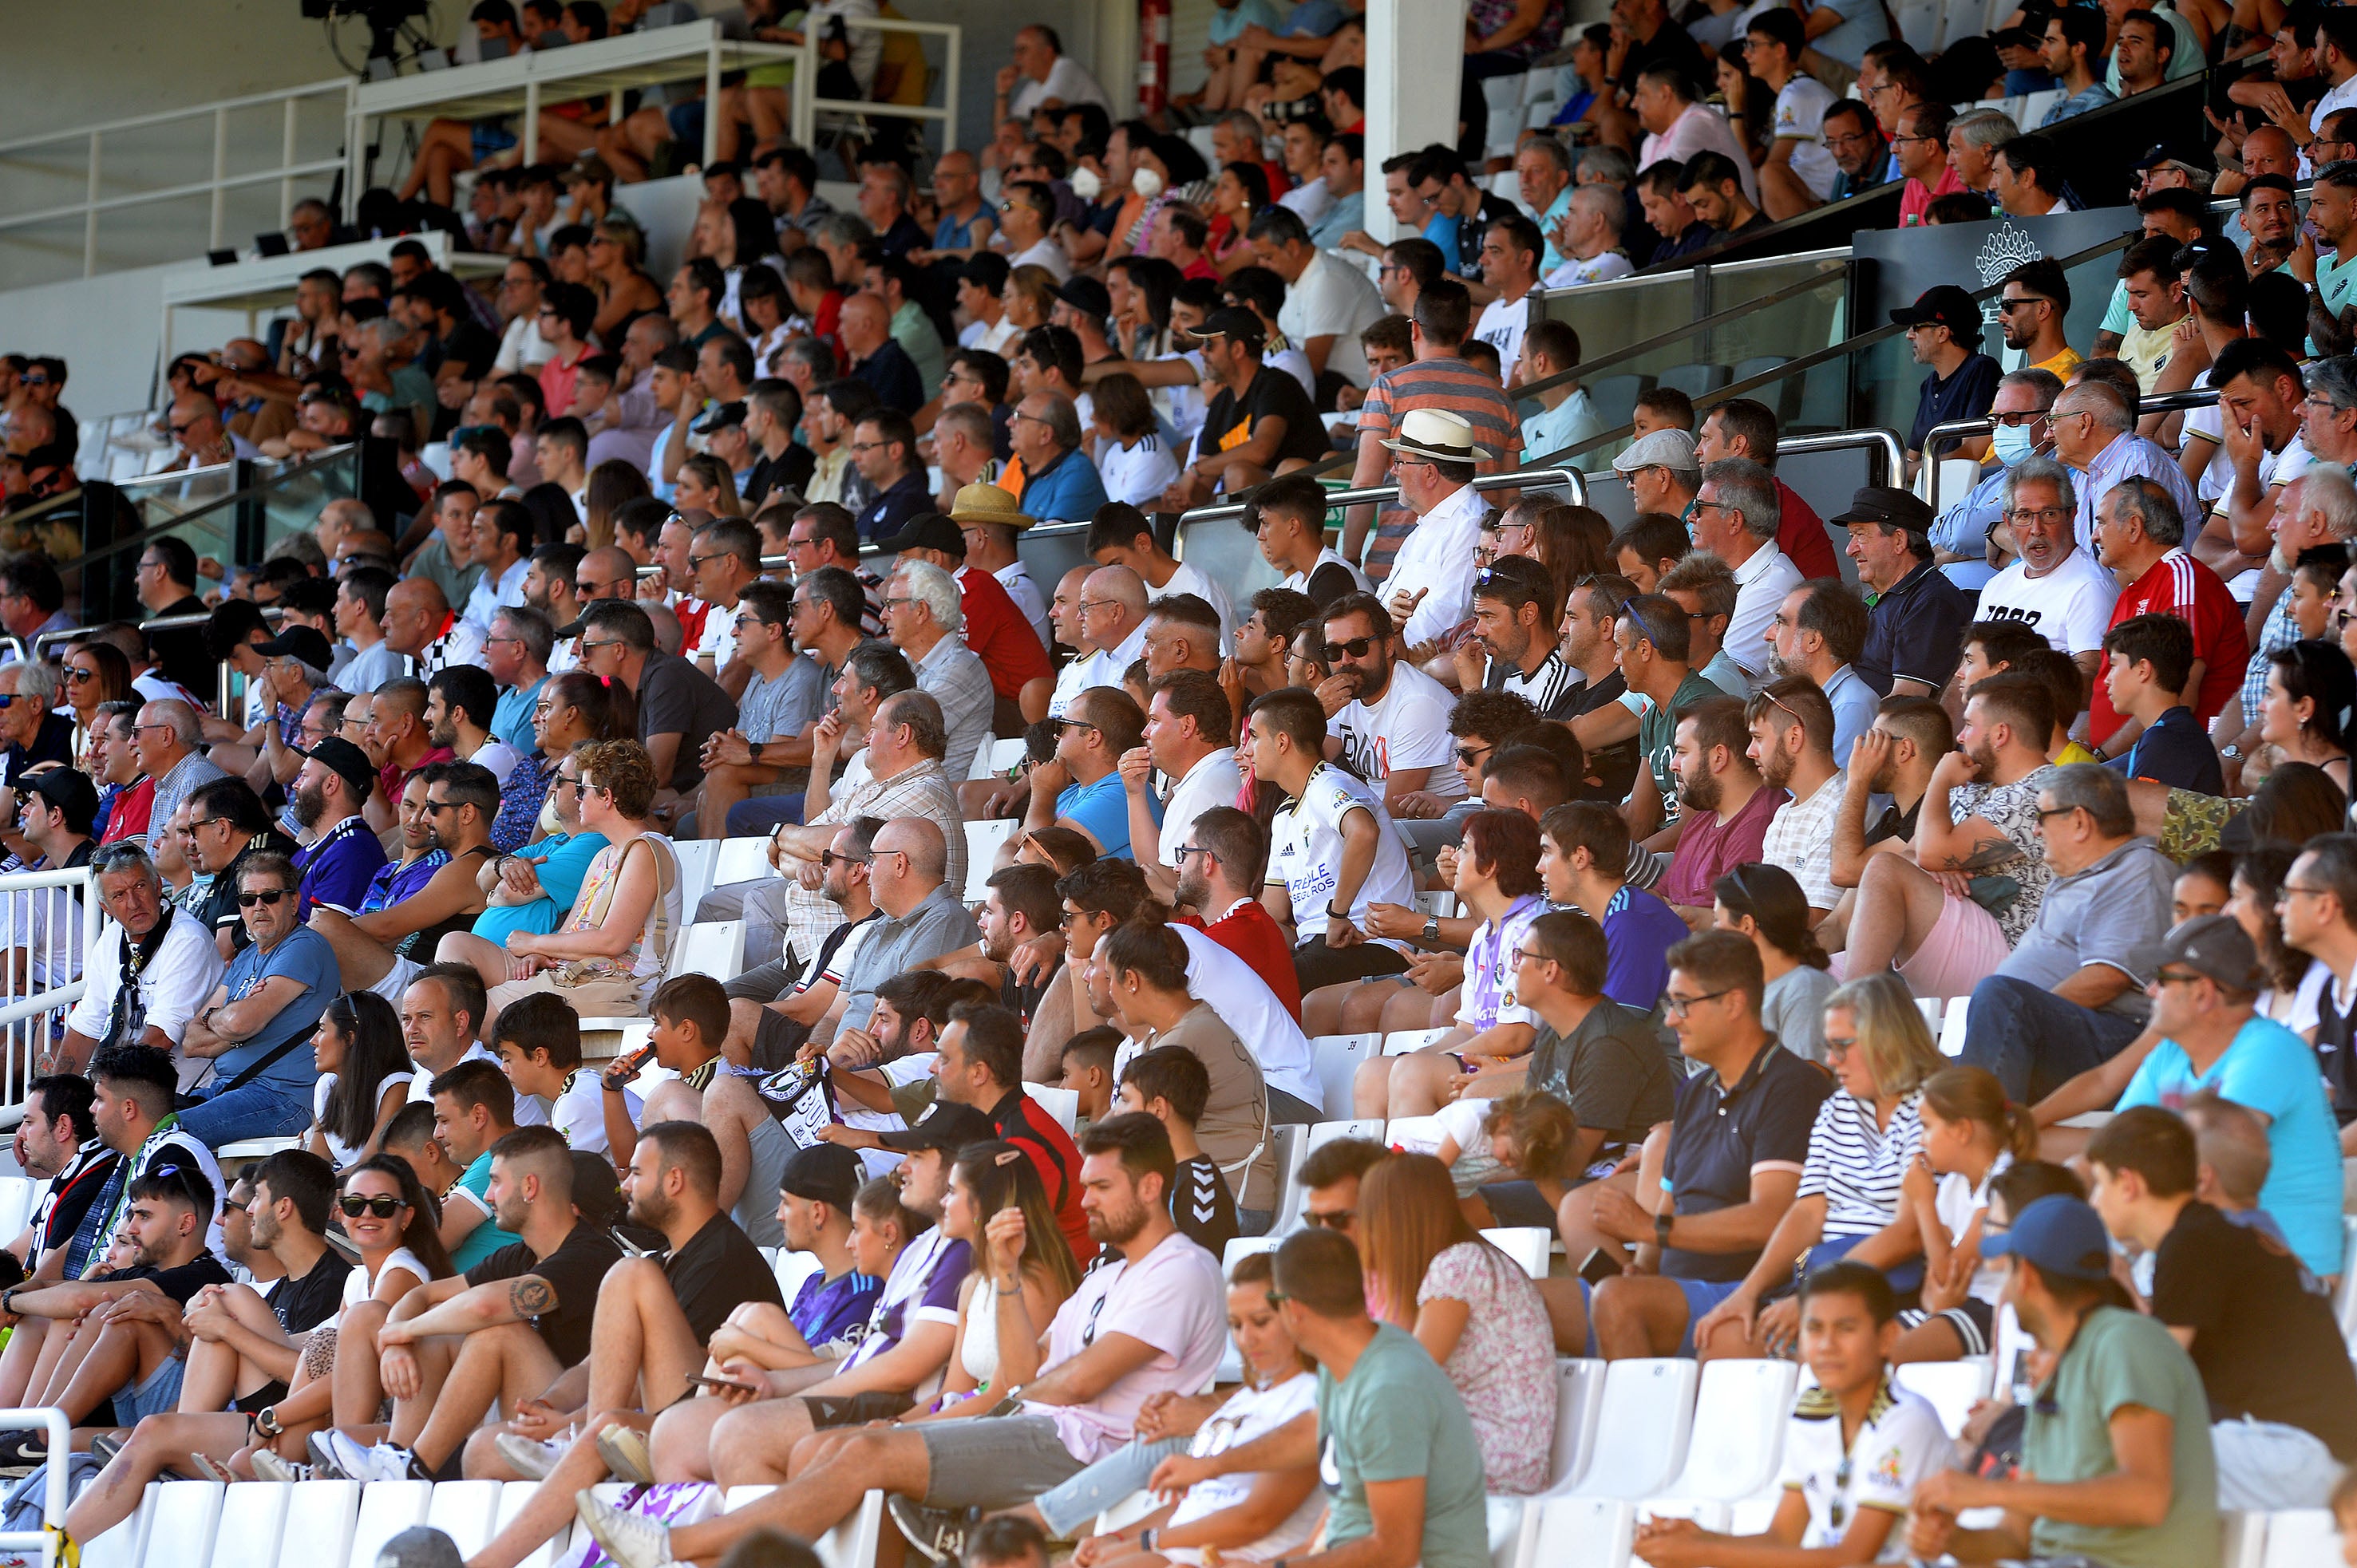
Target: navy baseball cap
<point>2059,1233</point>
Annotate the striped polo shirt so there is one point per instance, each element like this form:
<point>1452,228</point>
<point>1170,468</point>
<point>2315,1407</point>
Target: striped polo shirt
<point>1455,387</point>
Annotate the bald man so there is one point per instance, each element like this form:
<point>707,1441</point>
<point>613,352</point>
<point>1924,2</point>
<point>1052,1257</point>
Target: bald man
<point>1113,618</point>
<point>866,328</point>
<point>923,917</point>
<point>420,625</point>
<point>608,573</point>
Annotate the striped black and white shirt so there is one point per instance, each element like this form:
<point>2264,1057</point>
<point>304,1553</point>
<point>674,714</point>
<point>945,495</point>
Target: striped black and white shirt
<point>1553,688</point>
<point>1856,1165</point>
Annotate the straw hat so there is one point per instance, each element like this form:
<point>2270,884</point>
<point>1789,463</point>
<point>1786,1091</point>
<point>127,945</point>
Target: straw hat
<point>988,503</point>
<point>1442,436</point>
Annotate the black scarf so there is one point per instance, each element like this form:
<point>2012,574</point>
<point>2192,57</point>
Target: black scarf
<point>128,1020</point>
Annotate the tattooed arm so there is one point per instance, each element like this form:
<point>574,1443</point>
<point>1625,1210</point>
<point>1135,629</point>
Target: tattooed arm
<point>1970,846</point>
<point>453,1306</point>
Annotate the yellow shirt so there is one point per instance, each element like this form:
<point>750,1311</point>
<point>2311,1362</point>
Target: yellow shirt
<point>2146,349</point>
<point>2071,753</point>
<point>2063,363</point>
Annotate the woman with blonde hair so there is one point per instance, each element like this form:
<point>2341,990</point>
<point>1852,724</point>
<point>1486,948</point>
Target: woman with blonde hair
<point>1850,1205</point>
<point>614,946</point>
<point>706,485</point>
<point>1469,1306</point>
<point>1028,297</point>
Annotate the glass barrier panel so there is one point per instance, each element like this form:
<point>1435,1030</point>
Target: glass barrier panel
<point>291,501</point>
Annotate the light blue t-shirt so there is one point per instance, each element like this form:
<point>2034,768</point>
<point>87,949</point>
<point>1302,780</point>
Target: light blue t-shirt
<point>487,1238</point>
<point>304,957</point>
<point>569,858</point>
<point>512,719</point>
<point>1103,808</point>
<point>1228,23</point>
<point>2272,1072</point>
<point>1442,232</point>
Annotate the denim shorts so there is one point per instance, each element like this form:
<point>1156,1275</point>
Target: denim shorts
<point>159,1395</point>
<point>993,1462</point>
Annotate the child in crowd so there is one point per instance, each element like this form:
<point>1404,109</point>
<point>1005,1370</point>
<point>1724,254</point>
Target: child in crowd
<point>538,1039</point>
<point>1526,1135</point>
<point>2203,887</point>
<point>1088,1072</point>
<point>1854,1450</point>
<point>1170,1084</point>
<point>1972,1136</point>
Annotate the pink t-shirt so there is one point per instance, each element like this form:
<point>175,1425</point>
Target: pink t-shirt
<point>1172,1299</point>
<point>1707,848</point>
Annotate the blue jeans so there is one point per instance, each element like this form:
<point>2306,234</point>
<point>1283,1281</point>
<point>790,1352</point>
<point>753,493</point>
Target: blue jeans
<point>1069,1507</point>
<point>2034,1041</point>
<point>762,814</point>
<point>266,1108</point>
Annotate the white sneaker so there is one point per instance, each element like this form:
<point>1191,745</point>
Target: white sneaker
<point>371,1461</point>
<point>269,1466</point>
<point>528,1457</point>
<point>630,1540</point>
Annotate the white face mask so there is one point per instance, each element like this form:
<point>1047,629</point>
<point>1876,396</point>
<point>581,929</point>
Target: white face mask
<point>549,820</point>
<point>1146,182</point>
<point>1085,183</point>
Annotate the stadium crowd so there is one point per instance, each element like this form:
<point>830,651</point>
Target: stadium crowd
<point>1708,822</point>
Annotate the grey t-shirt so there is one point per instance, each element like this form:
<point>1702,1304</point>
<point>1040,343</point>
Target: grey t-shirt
<point>939,925</point>
<point>770,710</point>
<point>2100,914</point>
<point>1612,1071</point>
<point>1793,1009</point>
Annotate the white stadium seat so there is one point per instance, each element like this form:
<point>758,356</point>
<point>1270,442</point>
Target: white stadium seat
<point>793,1268</point>
<point>321,1516</point>
<point>1526,1244</point>
<point>696,857</point>
<point>1509,1518</point>
<point>2243,1540</point>
<point>1952,1386</point>
<point>1580,1532</point>
<point>982,841</point>
<point>1951,1026</point>
<point>2301,1538</point>
<point>740,860</point>
<point>513,1497</point>
<point>1338,1057</point>
<point>1403,1041</point>
<point>997,758</point>
<point>1703,1512</point>
<point>121,1547</point>
<point>387,1508</point>
<point>1647,1416</point>
<point>1578,1407</point>
<point>252,1526</point>
<point>181,1533</point>
<point>17,1196</point>
<point>466,1512</point>
<point>1739,1430</point>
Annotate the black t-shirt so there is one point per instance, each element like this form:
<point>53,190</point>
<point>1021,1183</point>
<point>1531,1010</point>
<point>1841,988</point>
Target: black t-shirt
<point>179,1283</point>
<point>793,468</point>
<point>1231,421</point>
<point>471,345</point>
<point>1612,1072</point>
<point>717,1271</point>
<point>1614,767</point>
<point>676,698</point>
<point>1670,45</point>
<point>1894,823</point>
<point>892,376</point>
<point>304,1303</point>
<point>1202,1205</point>
<point>1022,1000</point>
<point>2266,1346</point>
<point>54,743</point>
<point>68,1202</point>
<point>573,1272</point>
<point>1329,582</point>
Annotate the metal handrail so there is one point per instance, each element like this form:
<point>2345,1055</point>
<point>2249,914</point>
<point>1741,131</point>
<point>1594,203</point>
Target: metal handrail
<point>2153,402</point>
<point>1526,478</point>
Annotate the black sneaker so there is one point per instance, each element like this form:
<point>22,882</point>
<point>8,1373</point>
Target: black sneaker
<point>22,1453</point>
<point>938,1534</point>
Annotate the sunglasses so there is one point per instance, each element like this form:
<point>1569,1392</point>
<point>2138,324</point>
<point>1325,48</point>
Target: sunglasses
<point>384,1206</point>
<point>1357,648</point>
<point>272,899</point>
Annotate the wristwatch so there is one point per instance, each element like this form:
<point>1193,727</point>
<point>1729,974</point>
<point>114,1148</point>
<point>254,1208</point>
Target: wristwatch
<point>1432,927</point>
<point>1662,1223</point>
<point>266,1422</point>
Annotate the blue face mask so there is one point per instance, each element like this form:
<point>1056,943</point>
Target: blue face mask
<point>2011,444</point>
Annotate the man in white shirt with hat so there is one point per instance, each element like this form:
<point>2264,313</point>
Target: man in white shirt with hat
<point>1430,590</point>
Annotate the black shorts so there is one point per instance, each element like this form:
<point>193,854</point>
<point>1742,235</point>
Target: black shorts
<point>261,1398</point>
<point>857,1410</point>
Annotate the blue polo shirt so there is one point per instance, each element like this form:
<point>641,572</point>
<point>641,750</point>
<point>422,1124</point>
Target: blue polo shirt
<point>1915,629</point>
<point>511,720</point>
<point>336,868</point>
<point>2174,751</point>
<point>1639,932</point>
<point>304,957</point>
<point>1067,490</point>
<point>1103,808</point>
<point>1722,1134</point>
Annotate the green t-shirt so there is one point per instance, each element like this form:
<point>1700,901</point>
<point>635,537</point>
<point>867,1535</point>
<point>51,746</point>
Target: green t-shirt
<point>2121,1358</point>
<point>487,1238</point>
<point>1657,735</point>
<point>1398,1416</point>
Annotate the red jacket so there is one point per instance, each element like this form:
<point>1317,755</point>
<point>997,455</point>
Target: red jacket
<point>996,632</point>
<point>1801,534</point>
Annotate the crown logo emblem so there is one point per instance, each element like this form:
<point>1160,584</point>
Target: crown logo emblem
<point>2005,249</point>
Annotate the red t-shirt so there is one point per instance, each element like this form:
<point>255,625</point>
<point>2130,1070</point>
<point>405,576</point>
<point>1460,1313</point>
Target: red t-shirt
<point>2179,585</point>
<point>1708,848</point>
<point>1801,534</point>
<point>128,818</point>
<point>1251,933</point>
<point>691,612</point>
<point>996,632</point>
<point>1025,1123</point>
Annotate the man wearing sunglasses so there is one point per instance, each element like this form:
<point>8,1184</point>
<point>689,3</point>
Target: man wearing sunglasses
<point>257,1026</point>
<point>1388,720</point>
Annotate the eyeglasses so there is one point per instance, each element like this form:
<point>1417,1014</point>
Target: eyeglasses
<point>1357,648</point>
<point>384,1206</point>
<point>248,900</point>
<point>2042,812</point>
<point>2292,890</point>
<point>589,648</point>
<point>828,857</point>
<point>1524,955</point>
<point>1330,1219</point>
<point>561,781</point>
<point>1466,753</point>
<point>1075,724</point>
<point>1679,1006</point>
<point>1840,1044</point>
<point>2029,514</point>
<point>1086,606</point>
<point>1184,850</point>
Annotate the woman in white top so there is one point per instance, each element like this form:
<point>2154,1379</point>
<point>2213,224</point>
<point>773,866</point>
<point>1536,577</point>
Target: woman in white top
<point>1026,1270</point>
<point>241,1344</point>
<point>364,1073</point>
<point>1258,1515</point>
<point>1972,1136</point>
<point>1134,460</point>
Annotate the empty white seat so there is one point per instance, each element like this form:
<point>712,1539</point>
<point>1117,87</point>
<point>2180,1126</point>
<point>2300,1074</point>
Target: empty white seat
<point>1578,1406</point>
<point>513,1497</point>
<point>1703,1512</point>
<point>1739,1430</point>
<point>17,1195</point>
<point>321,1519</point>
<point>715,947</point>
<point>982,842</point>
<point>1526,1244</point>
<point>466,1512</point>
<point>793,1269</point>
<point>2299,1537</point>
<point>997,758</point>
<point>852,1544</point>
<point>1337,1057</point>
<point>387,1508</point>
<point>2242,1539</point>
<point>1324,1132</point>
<point>1403,1041</point>
<point>697,859</point>
<point>121,1547</point>
<point>1647,1417</point>
<point>1931,1007</point>
<point>1951,1026</point>
<point>2344,1299</point>
<point>252,1522</point>
<point>1951,1387</point>
<point>740,860</point>
<point>1064,1105</point>
<point>181,1533</point>
<point>1290,1141</point>
<point>1509,1518</point>
<point>1580,1532</point>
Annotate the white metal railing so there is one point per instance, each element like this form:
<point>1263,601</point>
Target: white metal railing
<point>806,105</point>
<point>217,186</point>
<point>46,1542</point>
<point>48,921</point>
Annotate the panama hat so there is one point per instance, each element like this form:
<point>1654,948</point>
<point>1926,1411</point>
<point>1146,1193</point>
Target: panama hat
<point>988,503</point>
<point>1442,436</point>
